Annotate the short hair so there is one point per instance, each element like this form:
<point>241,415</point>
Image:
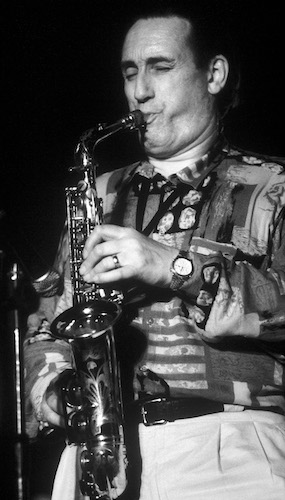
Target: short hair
<point>212,33</point>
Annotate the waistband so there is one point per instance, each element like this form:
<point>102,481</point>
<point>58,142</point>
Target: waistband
<point>161,410</point>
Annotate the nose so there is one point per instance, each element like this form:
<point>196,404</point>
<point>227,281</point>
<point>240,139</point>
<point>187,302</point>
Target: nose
<point>143,88</point>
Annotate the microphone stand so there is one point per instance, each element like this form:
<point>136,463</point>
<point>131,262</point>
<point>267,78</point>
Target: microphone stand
<point>21,460</point>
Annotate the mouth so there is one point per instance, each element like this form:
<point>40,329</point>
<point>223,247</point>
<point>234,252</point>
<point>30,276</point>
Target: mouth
<point>149,118</point>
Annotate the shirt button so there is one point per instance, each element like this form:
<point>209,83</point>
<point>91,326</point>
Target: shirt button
<point>150,321</point>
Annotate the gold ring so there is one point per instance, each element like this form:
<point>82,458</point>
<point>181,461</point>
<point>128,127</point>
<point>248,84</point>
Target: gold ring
<point>116,261</point>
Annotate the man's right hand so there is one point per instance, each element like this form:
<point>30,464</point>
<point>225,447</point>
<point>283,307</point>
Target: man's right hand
<point>51,406</point>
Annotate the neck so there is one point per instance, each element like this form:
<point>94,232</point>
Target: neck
<point>187,157</point>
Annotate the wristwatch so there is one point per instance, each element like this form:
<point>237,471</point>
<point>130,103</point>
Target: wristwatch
<point>182,269</point>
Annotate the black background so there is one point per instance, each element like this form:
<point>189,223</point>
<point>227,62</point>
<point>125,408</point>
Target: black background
<point>61,76</point>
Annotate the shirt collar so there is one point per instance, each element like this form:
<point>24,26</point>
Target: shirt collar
<point>195,173</point>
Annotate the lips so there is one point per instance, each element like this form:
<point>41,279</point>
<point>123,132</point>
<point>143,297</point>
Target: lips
<point>149,116</point>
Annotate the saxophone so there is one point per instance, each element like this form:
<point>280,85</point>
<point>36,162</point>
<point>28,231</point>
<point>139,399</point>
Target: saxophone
<point>91,393</point>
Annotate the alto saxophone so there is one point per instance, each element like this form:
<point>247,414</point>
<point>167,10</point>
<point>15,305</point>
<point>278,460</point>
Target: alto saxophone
<point>91,393</point>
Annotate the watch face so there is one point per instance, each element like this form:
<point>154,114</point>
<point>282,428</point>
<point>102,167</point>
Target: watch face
<point>183,266</point>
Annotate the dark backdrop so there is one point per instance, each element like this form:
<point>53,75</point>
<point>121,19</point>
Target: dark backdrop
<point>61,76</point>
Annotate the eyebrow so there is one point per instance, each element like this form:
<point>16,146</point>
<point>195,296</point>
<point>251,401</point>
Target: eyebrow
<point>129,63</point>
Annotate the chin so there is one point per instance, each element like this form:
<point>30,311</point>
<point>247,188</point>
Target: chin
<point>155,148</point>
<point>158,151</point>
<point>154,152</point>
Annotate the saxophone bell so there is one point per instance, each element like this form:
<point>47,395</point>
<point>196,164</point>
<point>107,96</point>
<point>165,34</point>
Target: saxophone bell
<point>91,395</point>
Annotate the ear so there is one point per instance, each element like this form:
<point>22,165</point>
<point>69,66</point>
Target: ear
<point>217,74</point>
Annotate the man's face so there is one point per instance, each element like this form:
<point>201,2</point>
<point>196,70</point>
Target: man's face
<point>162,80</point>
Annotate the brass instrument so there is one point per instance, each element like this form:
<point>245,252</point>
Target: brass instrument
<point>92,392</point>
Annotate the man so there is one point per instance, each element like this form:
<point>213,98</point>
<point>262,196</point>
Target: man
<point>200,231</point>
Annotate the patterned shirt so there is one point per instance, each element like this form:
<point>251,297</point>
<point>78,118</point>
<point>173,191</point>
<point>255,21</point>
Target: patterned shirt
<point>221,336</point>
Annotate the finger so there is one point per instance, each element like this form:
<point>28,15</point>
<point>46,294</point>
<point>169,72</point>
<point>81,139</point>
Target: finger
<point>104,232</point>
<point>107,264</point>
<point>111,277</point>
<point>100,257</point>
<point>50,416</point>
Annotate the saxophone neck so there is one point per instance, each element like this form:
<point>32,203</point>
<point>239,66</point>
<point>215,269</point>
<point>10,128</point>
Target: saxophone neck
<point>88,141</point>
<point>132,121</point>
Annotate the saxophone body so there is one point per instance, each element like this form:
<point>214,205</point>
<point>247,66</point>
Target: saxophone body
<point>91,393</point>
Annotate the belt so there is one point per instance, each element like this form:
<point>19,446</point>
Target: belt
<point>161,410</point>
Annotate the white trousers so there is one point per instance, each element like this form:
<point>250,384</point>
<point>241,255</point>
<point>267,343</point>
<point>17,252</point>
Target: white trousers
<point>222,456</point>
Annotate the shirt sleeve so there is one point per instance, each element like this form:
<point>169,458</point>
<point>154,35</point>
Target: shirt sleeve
<point>45,357</point>
<point>238,286</point>
<point>238,294</point>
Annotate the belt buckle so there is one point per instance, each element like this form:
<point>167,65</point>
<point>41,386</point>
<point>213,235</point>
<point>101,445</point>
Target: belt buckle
<point>144,413</point>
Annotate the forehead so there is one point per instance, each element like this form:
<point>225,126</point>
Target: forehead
<point>156,36</point>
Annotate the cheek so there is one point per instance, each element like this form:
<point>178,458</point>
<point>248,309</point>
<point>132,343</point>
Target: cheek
<point>188,94</point>
<point>177,101</point>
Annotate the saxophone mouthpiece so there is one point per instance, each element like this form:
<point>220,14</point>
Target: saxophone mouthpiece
<point>138,119</point>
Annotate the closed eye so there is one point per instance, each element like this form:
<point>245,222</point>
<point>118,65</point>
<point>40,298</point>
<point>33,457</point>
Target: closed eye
<point>130,75</point>
<point>162,68</point>
<point>129,69</point>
